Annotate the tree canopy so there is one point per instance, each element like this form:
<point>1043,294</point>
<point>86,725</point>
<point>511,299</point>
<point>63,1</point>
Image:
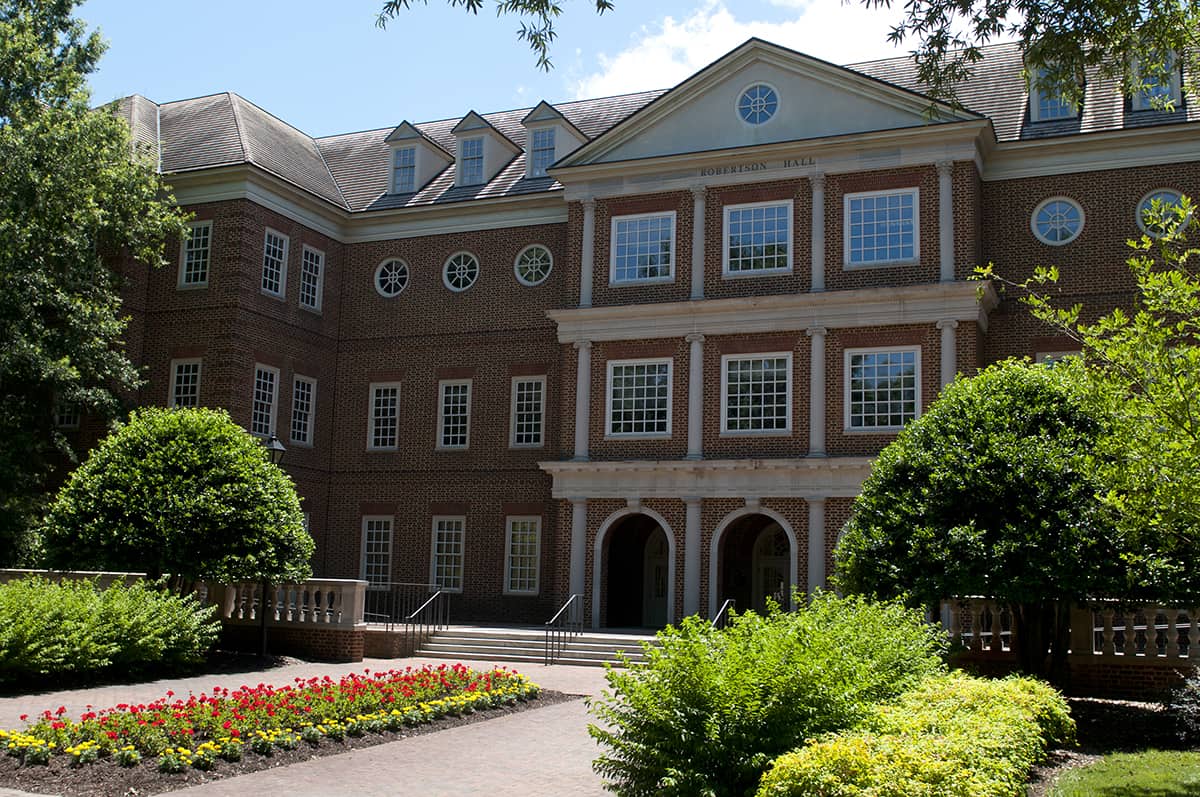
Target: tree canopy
<point>183,492</point>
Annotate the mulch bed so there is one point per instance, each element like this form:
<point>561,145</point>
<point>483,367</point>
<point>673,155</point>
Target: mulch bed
<point>106,779</point>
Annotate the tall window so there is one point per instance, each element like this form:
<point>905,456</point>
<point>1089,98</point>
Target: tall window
<point>312,269</point>
<point>1159,90</point>
<point>541,151</point>
<point>1045,104</point>
<point>446,569</point>
<point>185,383</point>
<point>385,416</point>
<point>756,393</point>
<point>304,397</point>
<point>471,161</point>
<point>883,388</point>
<point>404,170</point>
<point>639,398</point>
<point>266,390</point>
<point>194,255</point>
<point>521,554</point>
<point>881,227</point>
<point>377,551</point>
<point>454,413</point>
<point>66,416</point>
<point>528,406</point>
<point>758,238</point>
<point>274,271</point>
<point>643,247</point>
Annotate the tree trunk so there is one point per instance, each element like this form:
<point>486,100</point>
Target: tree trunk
<point>1042,634</point>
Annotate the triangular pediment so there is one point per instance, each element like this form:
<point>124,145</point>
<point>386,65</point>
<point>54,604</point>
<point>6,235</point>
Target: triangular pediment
<point>474,123</point>
<point>406,132</point>
<point>814,100</point>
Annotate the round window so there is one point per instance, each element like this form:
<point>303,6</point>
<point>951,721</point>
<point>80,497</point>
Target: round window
<point>1057,221</point>
<point>461,271</point>
<point>533,265</point>
<point>1167,199</point>
<point>391,277</point>
<point>758,104</point>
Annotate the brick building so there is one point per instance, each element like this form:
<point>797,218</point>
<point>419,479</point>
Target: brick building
<point>640,348</point>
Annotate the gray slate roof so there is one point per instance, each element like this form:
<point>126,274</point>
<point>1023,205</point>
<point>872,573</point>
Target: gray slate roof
<point>351,171</point>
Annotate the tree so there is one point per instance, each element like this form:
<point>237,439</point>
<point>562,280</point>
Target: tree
<point>992,492</point>
<point>73,195</point>
<point>184,492</point>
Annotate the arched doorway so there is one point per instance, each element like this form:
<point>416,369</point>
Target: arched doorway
<point>754,563</point>
<point>637,574</point>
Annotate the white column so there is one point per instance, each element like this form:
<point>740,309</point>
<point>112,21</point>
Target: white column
<point>691,556</point>
<point>949,350</point>
<point>816,392</point>
<point>945,170</point>
<point>696,397</point>
<point>818,231</point>
<point>816,544</point>
<point>587,255</point>
<point>578,548</point>
<point>583,395</point>
<point>698,242</point>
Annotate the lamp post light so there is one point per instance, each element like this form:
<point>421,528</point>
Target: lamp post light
<point>275,451</point>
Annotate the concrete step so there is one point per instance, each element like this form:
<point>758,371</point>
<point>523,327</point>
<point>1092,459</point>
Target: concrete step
<point>528,645</point>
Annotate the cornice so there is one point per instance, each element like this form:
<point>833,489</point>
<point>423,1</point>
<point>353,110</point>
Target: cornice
<point>1088,152</point>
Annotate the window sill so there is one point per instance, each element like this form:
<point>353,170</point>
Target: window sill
<point>194,286</point>
<point>277,296</point>
<point>514,594</point>
<point>880,264</point>
<point>764,272</point>
<point>635,283</point>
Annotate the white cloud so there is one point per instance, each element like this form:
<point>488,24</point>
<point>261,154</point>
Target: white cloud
<point>665,53</point>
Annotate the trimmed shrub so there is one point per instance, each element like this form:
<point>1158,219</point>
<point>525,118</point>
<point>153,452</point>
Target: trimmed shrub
<point>72,629</point>
<point>711,708</point>
<point>952,736</point>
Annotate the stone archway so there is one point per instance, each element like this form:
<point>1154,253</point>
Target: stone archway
<point>753,555</point>
<point>633,571</point>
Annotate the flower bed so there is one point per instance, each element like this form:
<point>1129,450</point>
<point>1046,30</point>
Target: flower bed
<point>200,730</point>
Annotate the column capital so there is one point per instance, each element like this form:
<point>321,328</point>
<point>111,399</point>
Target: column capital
<point>695,337</point>
<point>576,500</point>
<point>582,345</point>
<point>945,168</point>
<point>699,192</point>
<point>817,180</point>
<point>752,503</point>
<point>634,503</point>
<point>815,500</point>
<point>948,323</point>
<point>816,332</point>
<point>588,202</point>
<point>692,499</point>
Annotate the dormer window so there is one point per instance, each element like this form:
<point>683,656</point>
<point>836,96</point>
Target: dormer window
<point>1045,104</point>
<point>404,170</point>
<point>415,159</point>
<point>1159,91</point>
<point>549,137</point>
<point>470,161</point>
<point>541,151</point>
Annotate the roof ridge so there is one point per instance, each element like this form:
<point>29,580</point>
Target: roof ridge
<point>332,179</point>
<point>237,123</point>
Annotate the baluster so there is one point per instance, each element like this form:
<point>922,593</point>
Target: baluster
<point>1130,647</point>
<point>955,628</point>
<point>976,611</point>
<point>1107,648</point>
<point>1193,650</point>
<point>1172,634</point>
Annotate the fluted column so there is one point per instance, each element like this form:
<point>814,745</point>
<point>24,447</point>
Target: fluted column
<point>945,170</point>
<point>698,242</point>
<point>583,395</point>
<point>691,556</point>
<point>578,548</point>
<point>816,544</point>
<point>588,253</point>
<point>816,392</point>
<point>817,181</point>
<point>949,350</point>
<point>696,397</point>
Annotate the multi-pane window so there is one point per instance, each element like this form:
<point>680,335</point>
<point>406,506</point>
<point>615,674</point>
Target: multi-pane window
<point>446,568</point>
<point>533,265</point>
<point>1164,202</point>
<point>522,548</point>
<point>756,393</point>
<point>758,237</point>
<point>882,388</point>
<point>643,247</point>
<point>66,416</point>
<point>404,170</point>
<point>639,398</point>
<point>377,552</point>
<point>185,383</point>
<point>454,413</point>
<point>274,271</point>
<point>541,151</point>
<point>1046,104</point>
<point>266,390</point>
<point>304,398</point>
<point>312,269</point>
<point>460,271</point>
<point>528,407</point>
<point>1159,90</point>
<point>385,416</point>
<point>471,161</point>
<point>194,255</point>
<point>881,227</point>
<point>1057,221</point>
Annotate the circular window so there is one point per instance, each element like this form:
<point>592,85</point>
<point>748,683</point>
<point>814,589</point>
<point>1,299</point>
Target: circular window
<point>1167,198</point>
<point>758,104</point>
<point>1057,221</point>
<point>461,271</point>
<point>391,277</point>
<point>533,265</point>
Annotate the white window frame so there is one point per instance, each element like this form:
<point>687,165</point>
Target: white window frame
<point>283,267</point>
<point>1033,220</point>
<point>175,377</point>
<point>512,413</point>
<point>608,399</point>
<point>727,358</point>
<point>182,282</point>
<point>462,160</point>
<point>307,250</point>
<point>396,187</point>
<point>362,565</point>
<point>1037,94</point>
<point>537,554</point>
<point>441,414</point>
<point>310,424</point>
<point>846,355</point>
<point>534,169</point>
<point>66,416</point>
<point>274,400</point>
<point>1139,211</point>
<point>612,249</point>
<point>371,390</point>
<point>846,238</point>
<point>462,554</point>
<point>1140,102</point>
<point>762,272</point>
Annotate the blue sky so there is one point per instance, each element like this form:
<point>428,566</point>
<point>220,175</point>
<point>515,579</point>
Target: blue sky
<point>326,68</point>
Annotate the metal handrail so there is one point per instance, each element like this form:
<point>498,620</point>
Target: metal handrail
<point>721,618</point>
<point>390,603</point>
<point>566,622</point>
<point>433,615</point>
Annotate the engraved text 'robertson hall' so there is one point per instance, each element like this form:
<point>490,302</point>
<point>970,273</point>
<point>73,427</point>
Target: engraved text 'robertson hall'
<point>757,166</point>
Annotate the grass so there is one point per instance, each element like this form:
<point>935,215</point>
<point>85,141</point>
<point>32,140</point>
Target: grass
<point>1151,773</point>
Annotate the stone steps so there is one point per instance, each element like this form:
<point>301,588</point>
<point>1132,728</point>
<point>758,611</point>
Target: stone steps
<point>528,646</point>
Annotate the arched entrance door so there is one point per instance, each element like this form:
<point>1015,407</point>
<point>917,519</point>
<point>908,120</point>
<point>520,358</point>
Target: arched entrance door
<point>755,563</point>
<point>636,574</point>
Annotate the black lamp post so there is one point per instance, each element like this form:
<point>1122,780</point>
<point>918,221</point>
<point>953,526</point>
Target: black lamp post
<point>275,452</point>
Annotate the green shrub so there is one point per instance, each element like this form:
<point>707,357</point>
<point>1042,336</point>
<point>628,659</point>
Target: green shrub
<point>952,736</point>
<point>710,709</point>
<point>73,629</point>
